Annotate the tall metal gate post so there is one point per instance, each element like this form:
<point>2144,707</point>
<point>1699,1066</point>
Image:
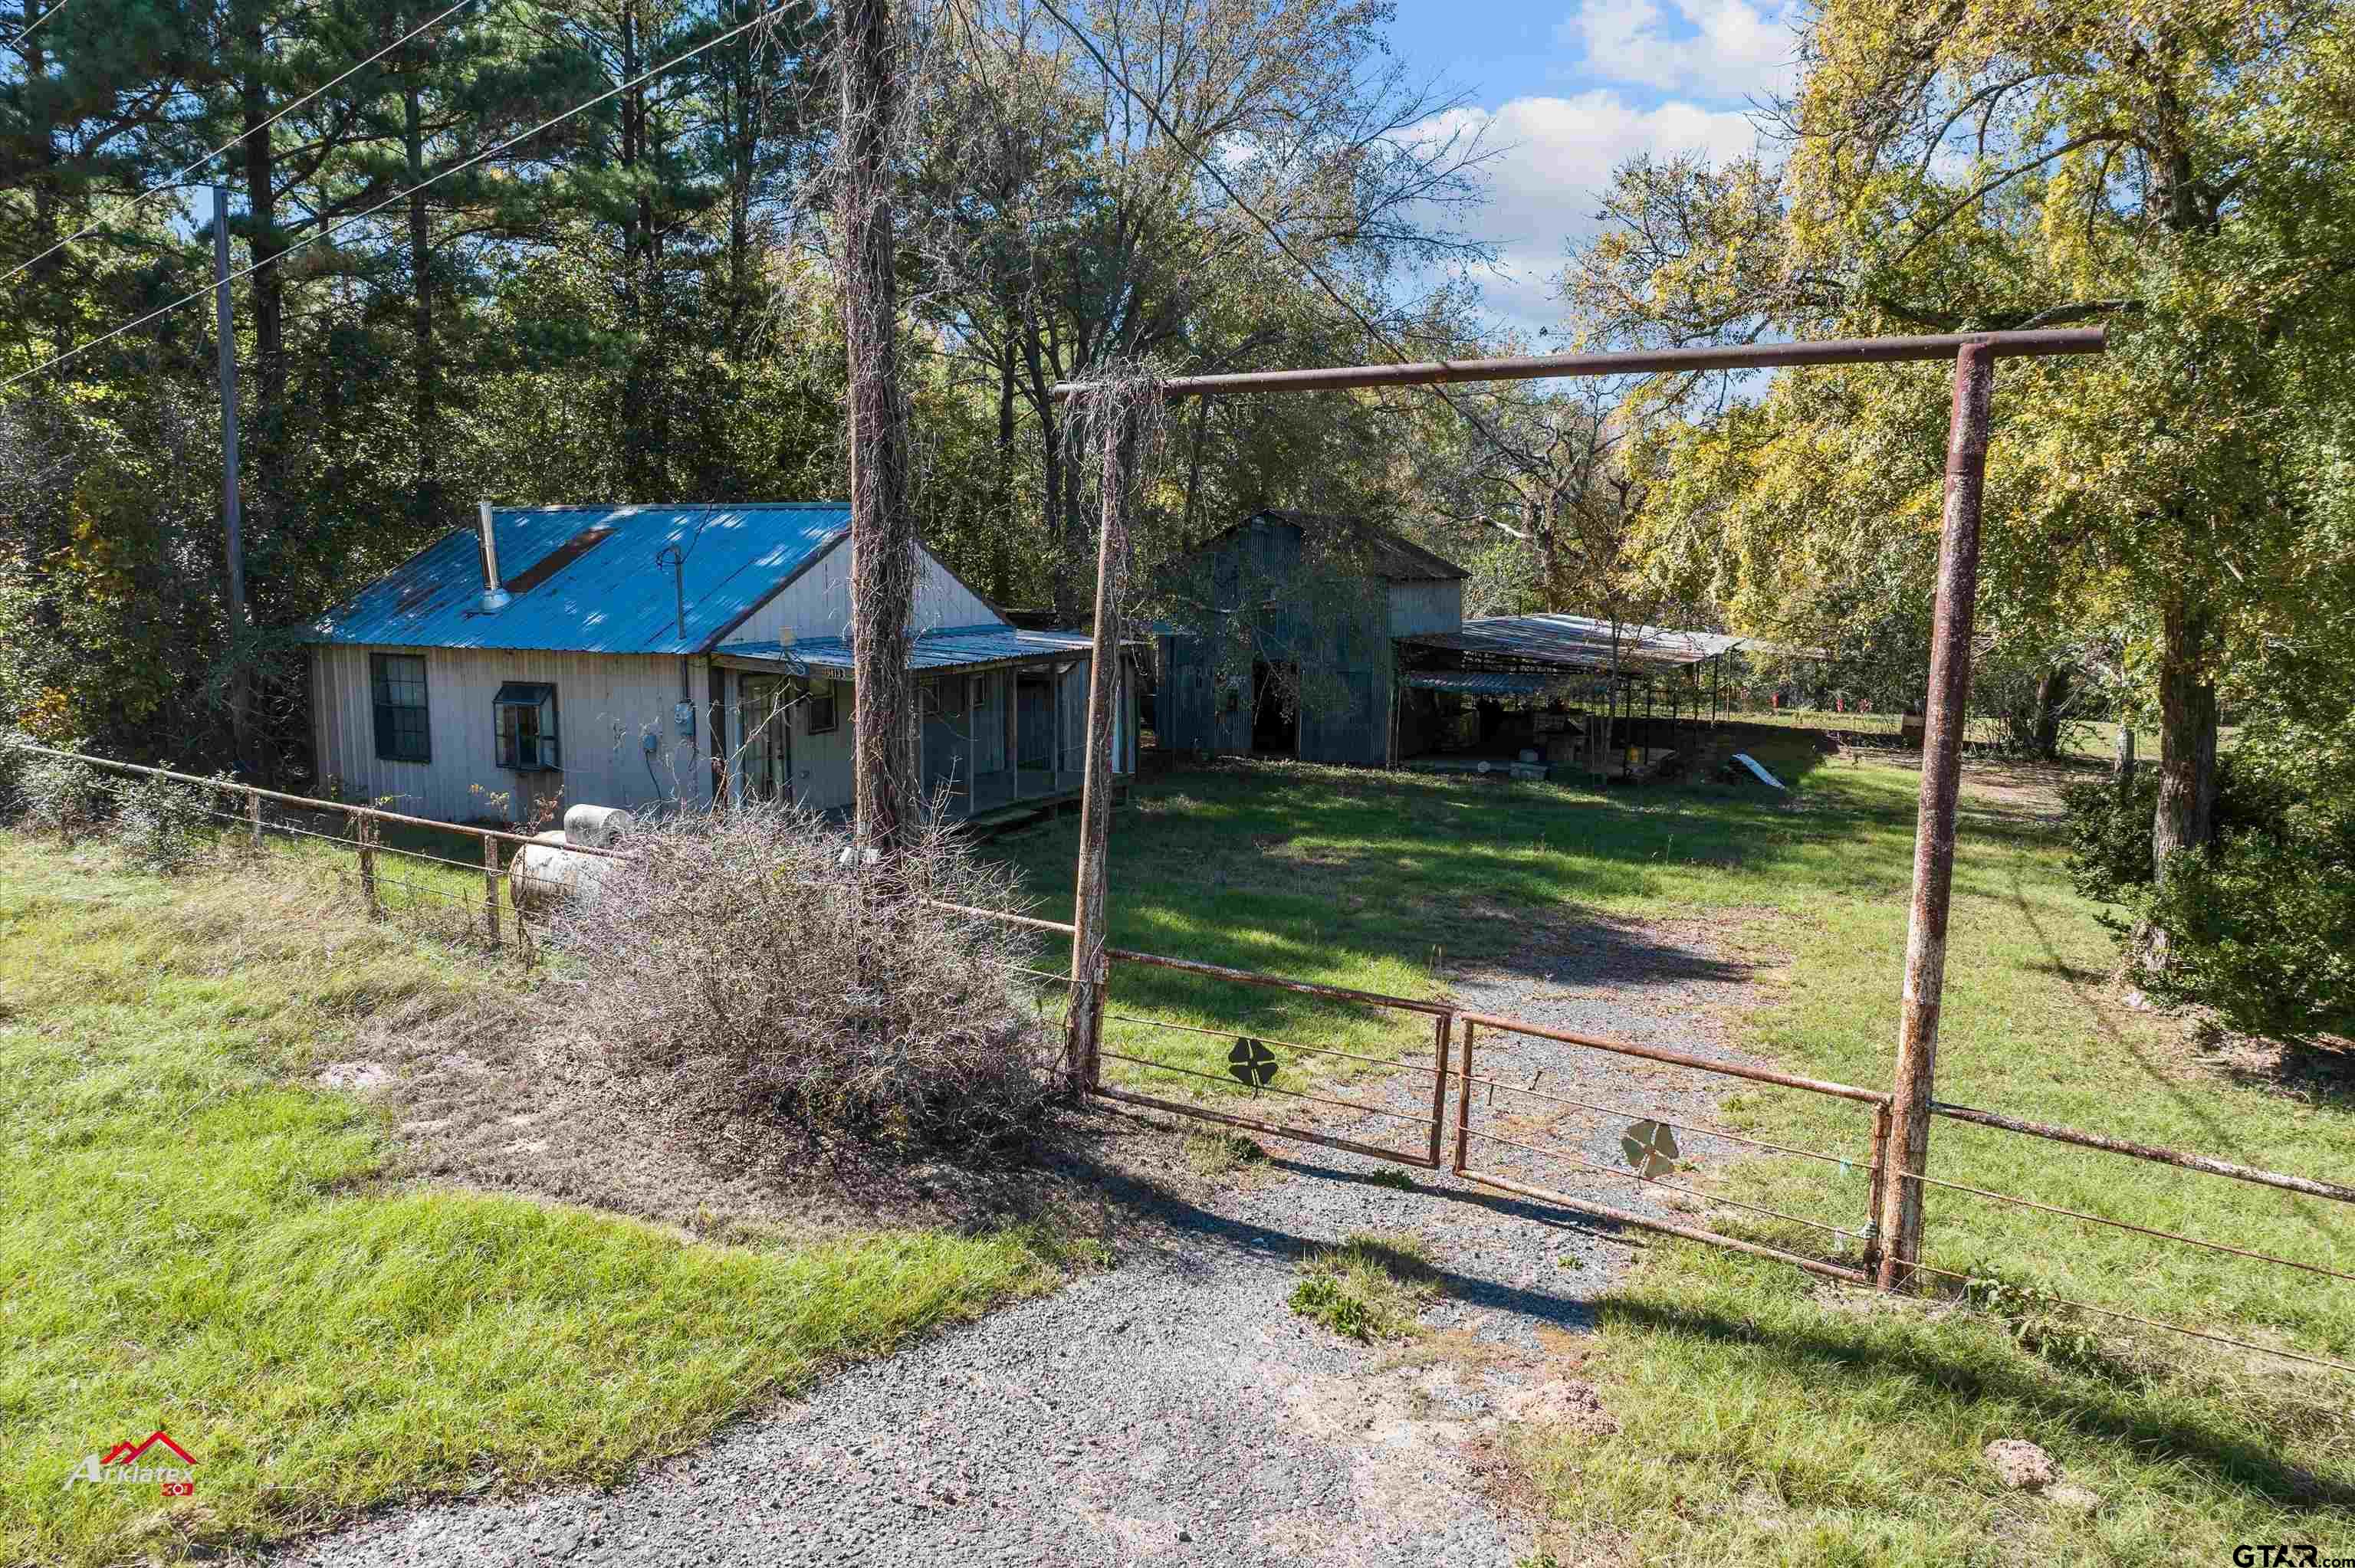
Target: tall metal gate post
<point>1934,832</point>
<point>1441,1027</point>
<point>1088,967</point>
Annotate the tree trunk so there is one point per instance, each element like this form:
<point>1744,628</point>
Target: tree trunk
<point>2187,735</point>
<point>883,535</point>
<point>1194,465</point>
<point>2051,696</point>
<point>267,293</point>
<point>1050,442</point>
<point>426,411</point>
<point>2184,818</point>
<point>2122,770</point>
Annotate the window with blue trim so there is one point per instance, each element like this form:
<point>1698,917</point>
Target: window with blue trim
<point>526,713</point>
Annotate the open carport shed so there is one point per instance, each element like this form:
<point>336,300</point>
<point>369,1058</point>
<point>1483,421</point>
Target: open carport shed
<point>1605,699</point>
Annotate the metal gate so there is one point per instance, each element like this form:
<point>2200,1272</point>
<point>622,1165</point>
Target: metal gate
<point>1256,1062</point>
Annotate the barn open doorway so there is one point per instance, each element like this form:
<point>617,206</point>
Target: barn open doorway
<point>1276,708</point>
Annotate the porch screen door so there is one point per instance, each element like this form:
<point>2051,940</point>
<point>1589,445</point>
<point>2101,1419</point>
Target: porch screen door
<point>768,734</point>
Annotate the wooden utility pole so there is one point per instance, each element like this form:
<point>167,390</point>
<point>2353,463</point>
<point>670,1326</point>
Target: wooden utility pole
<point>225,328</point>
<point>1088,968</point>
<point>1933,832</point>
<point>883,535</point>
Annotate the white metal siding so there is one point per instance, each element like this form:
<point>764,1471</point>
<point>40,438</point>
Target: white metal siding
<point>606,702</point>
<point>1417,607</point>
<point>818,603</point>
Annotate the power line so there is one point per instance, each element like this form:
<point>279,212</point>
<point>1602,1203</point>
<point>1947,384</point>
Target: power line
<point>37,21</point>
<point>177,175</point>
<point>1298,260</point>
<point>340,224</point>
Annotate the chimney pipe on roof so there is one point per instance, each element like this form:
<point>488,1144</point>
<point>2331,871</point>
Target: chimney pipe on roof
<point>494,596</point>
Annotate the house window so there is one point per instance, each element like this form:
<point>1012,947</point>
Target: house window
<point>526,725</point>
<point>397,682</point>
<point>823,714</point>
<point>943,696</point>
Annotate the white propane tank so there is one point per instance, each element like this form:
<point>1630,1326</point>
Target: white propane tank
<point>599,827</point>
<point>542,874</point>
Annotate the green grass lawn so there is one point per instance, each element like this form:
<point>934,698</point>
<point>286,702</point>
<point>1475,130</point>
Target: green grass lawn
<point>192,1238</point>
<point>1766,1416</point>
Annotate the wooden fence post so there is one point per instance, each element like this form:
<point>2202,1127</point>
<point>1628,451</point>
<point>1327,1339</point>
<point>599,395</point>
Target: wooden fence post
<point>254,819</point>
<point>1934,829</point>
<point>368,867</point>
<point>491,889</point>
<point>1090,970</point>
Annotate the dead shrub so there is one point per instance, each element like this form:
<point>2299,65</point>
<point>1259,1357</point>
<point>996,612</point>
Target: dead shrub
<point>747,965</point>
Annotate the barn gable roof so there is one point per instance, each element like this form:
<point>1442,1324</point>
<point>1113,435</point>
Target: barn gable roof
<point>586,579</point>
<point>1386,554</point>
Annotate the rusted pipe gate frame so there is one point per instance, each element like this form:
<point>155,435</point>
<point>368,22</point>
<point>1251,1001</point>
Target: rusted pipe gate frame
<point>1897,1223</point>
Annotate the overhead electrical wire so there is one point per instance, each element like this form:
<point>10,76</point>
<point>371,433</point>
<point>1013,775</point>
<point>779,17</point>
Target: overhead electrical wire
<point>172,180</point>
<point>1208,167</point>
<point>340,224</point>
<point>37,21</point>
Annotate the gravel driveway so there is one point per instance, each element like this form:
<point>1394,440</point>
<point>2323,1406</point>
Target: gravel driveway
<point>1172,1408</point>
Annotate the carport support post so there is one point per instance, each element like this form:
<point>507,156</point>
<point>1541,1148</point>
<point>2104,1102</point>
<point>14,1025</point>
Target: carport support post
<point>1088,966</point>
<point>1934,832</point>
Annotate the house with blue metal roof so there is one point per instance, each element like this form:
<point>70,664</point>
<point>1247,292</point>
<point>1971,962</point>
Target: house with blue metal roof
<point>630,655</point>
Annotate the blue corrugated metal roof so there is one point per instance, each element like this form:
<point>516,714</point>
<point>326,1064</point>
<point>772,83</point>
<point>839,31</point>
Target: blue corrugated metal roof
<point>613,597</point>
<point>957,648</point>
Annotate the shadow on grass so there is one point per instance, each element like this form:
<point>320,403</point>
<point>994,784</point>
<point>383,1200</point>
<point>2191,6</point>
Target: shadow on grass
<point>1825,1360</point>
<point>1868,1356</point>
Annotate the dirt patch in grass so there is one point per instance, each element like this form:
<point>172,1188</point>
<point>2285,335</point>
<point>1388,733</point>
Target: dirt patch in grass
<point>501,1099</point>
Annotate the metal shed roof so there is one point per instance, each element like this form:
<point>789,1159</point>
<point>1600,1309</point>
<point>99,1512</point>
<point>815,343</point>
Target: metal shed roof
<point>609,595</point>
<point>1481,683</point>
<point>1382,552</point>
<point>1578,642</point>
<point>958,648</point>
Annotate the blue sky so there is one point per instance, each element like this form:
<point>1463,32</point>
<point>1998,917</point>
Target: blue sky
<point>1570,88</point>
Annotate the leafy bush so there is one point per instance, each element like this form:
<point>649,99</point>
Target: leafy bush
<point>65,799</point>
<point>743,967</point>
<point>163,824</point>
<point>2260,924</point>
<point>2109,834</point>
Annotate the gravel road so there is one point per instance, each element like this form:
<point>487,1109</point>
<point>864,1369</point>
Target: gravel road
<point>1172,1409</point>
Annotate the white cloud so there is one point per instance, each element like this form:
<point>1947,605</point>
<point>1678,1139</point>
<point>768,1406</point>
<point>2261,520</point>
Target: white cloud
<point>1556,159</point>
<point>1724,51</point>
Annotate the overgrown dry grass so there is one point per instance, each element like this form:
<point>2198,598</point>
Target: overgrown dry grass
<point>194,1236</point>
<point>748,968</point>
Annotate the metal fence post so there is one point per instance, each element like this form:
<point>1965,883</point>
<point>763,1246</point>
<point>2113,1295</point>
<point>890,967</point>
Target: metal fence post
<point>1933,831</point>
<point>368,867</point>
<point>1464,1103</point>
<point>1443,1028</point>
<point>1879,1185</point>
<point>491,889</point>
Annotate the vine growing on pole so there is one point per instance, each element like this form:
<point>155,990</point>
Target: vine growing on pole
<point>1118,419</point>
<point>882,531</point>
